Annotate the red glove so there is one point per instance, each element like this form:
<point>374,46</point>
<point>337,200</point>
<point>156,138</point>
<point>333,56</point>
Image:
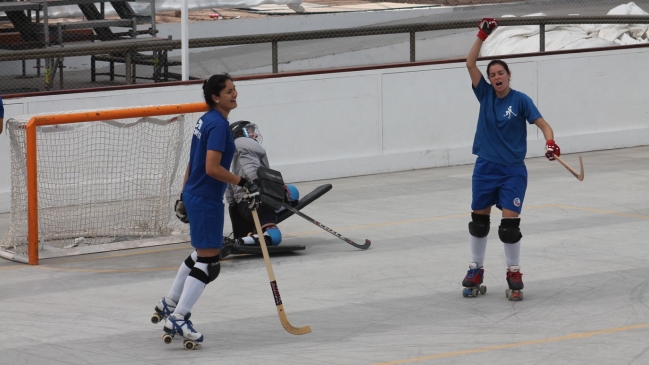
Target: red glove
<point>551,149</point>
<point>486,26</point>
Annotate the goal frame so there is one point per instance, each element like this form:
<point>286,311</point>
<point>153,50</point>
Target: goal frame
<point>68,118</point>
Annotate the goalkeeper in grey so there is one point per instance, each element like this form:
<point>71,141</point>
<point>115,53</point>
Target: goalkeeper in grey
<point>248,157</point>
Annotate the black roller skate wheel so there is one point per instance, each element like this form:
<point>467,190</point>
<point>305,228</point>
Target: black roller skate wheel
<point>167,338</point>
<point>155,318</point>
<point>483,290</point>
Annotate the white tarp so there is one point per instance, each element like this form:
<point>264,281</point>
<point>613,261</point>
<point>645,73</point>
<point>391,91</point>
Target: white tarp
<point>526,39</point>
<point>143,7</point>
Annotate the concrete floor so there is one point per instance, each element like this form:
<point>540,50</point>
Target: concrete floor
<point>584,259</point>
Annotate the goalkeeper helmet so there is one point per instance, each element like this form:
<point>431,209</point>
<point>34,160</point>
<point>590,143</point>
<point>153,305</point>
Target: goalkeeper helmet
<point>244,128</point>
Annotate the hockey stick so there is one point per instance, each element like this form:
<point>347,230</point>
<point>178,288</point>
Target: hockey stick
<point>580,175</point>
<point>275,203</point>
<point>273,283</point>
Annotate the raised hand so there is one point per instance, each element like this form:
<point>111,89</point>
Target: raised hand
<point>486,26</point>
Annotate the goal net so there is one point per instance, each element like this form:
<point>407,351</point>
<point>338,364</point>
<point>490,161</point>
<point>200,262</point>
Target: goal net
<point>102,185</point>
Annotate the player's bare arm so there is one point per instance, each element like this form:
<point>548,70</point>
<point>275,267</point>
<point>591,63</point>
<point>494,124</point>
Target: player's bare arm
<point>471,61</point>
<point>214,169</point>
<point>485,27</point>
<point>545,128</point>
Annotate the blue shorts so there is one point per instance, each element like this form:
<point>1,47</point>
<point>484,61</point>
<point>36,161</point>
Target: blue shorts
<point>498,184</point>
<point>206,217</point>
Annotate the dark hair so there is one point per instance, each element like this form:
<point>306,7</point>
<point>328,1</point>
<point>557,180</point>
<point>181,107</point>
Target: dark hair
<point>213,86</point>
<point>498,62</point>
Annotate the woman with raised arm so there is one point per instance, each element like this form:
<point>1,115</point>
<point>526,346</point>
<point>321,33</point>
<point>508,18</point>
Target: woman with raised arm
<point>201,203</point>
<point>499,175</point>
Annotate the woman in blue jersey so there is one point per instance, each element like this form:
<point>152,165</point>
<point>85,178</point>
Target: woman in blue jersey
<point>499,175</point>
<point>206,179</point>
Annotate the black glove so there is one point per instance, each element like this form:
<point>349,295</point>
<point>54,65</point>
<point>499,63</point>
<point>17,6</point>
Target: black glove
<point>181,212</point>
<point>252,190</point>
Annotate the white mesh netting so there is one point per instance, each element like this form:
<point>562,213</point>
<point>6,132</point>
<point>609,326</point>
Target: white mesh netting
<point>100,182</point>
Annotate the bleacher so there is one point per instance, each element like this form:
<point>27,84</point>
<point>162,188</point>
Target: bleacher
<point>32,28</point>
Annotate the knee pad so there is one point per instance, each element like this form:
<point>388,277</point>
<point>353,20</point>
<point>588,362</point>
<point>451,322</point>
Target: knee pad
<point>292,194</point>
<point>274,234</point>
<point>191,260</point>
<point>509,230</point>
<point>213,269</point>
<point>479,227</point>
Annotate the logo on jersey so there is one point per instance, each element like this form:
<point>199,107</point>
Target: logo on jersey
<point>509,113</point>
<point>517,202</point>
<point>197,128</point>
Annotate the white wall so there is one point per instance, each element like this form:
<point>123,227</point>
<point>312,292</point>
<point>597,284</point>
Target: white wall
<point>367,122</point>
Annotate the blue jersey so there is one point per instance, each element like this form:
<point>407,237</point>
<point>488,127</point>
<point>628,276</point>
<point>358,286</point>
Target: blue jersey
<point>2,109</point>
<point>212,132</point>
<point>501,135</point>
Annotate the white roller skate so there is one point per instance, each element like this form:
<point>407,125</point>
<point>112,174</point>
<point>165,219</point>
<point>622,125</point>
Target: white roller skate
<point>163,310</point>
<point>181,325</point>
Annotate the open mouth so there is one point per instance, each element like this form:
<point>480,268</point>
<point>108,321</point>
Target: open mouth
<point>499,83</point>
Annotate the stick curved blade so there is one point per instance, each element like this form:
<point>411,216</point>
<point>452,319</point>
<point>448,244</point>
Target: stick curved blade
<point>580,175</point>
<point>288,327</point>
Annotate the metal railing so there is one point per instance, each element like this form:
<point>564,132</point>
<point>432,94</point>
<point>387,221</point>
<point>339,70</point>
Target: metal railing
<point>156,44</point>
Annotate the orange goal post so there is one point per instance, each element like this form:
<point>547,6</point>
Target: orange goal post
<point>97,180</point>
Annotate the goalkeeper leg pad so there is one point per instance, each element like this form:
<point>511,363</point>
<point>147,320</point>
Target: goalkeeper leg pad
<point>274,234</point>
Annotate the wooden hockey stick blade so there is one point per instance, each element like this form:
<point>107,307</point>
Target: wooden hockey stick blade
<point>273,284</point>
<point>580,175</point>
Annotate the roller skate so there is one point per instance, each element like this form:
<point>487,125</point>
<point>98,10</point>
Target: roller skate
<point>472,282</point>
<point>228,247</point>
<point>178,324</point>
<point>164,308</point>
<point>515,282</point>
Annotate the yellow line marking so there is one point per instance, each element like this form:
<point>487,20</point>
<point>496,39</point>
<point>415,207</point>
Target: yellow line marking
<point>13,267</point>
<point>641,216</point>
<point>409,221</point>
<point>108,270</point>
<point>175,247</point>
<point>572,336</point>
<point>123,254</point>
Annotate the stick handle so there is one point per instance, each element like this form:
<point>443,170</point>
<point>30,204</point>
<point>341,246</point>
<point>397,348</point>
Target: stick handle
<point>273,283</point>
<point>262,244</point>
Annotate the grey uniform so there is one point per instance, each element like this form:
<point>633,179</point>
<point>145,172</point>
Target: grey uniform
<point>249,155</point>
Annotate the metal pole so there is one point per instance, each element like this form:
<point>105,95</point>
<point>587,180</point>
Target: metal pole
<point>184,40</point>
<point>46,27</point>
<point>275,58</point>
<point>412,46</point>
<point>542,37</point>
<point>153,30</point>
<point>127,72</point>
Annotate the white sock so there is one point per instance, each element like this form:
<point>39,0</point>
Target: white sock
<point>192,290</point>
<point>512,253</point>
<point>248,240</point>
<point>478,249</point>
<point>177,287</point>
